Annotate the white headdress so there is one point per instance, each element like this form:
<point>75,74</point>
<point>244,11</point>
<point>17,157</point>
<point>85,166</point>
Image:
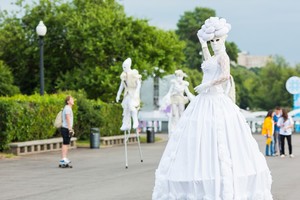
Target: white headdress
<point>180,73</point>
<point>127,63</point>
<point>214,27</point>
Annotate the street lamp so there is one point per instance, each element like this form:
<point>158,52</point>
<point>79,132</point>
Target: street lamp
<point>41,30</point>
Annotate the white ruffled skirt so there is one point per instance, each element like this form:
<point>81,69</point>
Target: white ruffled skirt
<point>212,156</point>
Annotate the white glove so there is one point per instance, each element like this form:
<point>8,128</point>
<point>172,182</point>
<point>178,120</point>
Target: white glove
<point>117,98</point>
<point>203,43</point>
<point>200,88</point>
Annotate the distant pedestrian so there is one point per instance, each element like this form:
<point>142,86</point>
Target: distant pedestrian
<point>67,129</point>
<point>277,144</point>
<point>286,125</point>
<point>267,131</point>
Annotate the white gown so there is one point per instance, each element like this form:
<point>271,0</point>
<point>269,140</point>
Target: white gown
<point>212,154</point>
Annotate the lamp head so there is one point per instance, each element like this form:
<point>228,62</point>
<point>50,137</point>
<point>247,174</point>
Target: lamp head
<point>41,29</point>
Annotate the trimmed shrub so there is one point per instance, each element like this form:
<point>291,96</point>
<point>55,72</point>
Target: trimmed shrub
<point>24,118</point>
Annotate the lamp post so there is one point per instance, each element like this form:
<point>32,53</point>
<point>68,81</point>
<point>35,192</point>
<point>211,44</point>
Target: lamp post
<point>41,30</point>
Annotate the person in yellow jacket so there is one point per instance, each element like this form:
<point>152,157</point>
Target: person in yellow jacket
<point>267,131</point>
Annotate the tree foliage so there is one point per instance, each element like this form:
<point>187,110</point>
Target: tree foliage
<point>264,88</point>
<point>85,45</point>
<point>87,41</point>
<point>7,88</point>
<point>270,90</point>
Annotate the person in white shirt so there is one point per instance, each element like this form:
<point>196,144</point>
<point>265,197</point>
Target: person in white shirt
<point>67,128</point>
<point>286,125</point>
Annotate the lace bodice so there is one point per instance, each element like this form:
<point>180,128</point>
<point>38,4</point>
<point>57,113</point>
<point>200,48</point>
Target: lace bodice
<point>216,71</point>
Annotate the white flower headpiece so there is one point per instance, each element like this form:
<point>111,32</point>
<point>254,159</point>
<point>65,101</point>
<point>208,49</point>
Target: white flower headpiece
<point>214,27</point>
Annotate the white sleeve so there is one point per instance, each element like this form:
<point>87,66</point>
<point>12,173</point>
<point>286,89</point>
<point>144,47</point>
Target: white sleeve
<point>224,63</point>
<point>279,122</point>
<point>68,110</point>
<point>291,121</point>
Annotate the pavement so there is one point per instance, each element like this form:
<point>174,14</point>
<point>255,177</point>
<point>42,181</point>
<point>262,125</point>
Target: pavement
<point>100,174</point>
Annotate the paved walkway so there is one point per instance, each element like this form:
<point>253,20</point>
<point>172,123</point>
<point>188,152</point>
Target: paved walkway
<point>101,174</point>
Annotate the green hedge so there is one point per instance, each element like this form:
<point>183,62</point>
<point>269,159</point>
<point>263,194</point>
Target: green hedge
<point>24,118</point>
<point>96,114</point>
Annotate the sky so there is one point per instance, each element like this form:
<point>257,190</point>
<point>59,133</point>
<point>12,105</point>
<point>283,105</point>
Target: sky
<point>259,27</point>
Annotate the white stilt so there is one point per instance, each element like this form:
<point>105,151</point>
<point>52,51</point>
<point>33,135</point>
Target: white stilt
<point>138,139</point>
<point>126,138</point>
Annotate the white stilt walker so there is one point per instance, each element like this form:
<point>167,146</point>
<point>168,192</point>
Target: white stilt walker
<point>176,99</point>
<point>131,82</point>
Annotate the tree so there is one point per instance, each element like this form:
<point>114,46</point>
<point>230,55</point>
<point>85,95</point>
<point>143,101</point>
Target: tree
<point>270,90</point>
<point>188,26</point>
<point>85,45</point>
<point>245,80</point>
<point>6,81</point>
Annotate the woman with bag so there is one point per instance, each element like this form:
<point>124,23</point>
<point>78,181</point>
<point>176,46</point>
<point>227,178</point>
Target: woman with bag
<point>267,131</point>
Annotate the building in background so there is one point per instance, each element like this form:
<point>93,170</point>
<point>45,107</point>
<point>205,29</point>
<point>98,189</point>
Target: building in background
<point>152,91</point>
<point>249,61</point>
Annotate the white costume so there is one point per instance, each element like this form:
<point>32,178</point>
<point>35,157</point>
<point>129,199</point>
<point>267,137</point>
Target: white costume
<point>176,98</point>
<point>212,154</point>
<point>131,81</point>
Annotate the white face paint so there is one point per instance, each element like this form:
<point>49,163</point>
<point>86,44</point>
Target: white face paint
<point>126,68</point>
<point>179,78</point>
<point>218,44</point>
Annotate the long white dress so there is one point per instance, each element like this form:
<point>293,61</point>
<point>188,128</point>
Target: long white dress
<point>212,154</point>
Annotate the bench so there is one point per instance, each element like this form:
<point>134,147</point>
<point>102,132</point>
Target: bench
<point>117,140</point>
<point>39,146</point>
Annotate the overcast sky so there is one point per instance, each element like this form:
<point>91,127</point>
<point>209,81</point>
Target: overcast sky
<point>260,27</point>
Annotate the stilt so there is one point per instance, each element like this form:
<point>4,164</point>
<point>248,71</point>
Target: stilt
<point>126,136</point>
<point>138,139</point>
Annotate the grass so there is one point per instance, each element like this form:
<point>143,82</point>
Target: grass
<point>6,155</point>
<point>83,143</point>
<point>143,139</point>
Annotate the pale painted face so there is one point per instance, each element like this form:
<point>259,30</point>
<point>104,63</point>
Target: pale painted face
<point>126,68</point>
<point>179,78</point>
<point>218,44</point>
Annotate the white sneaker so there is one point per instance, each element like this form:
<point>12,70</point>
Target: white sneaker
<point>282,156</point>
<point>292,156</point>
<point>66,160</point>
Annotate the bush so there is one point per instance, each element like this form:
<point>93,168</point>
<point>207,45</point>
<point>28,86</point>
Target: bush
<point>111,119</point>
<point>96,114</point>
<point>24,118</point>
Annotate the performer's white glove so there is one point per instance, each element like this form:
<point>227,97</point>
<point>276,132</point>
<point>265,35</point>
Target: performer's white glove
<point>200,88</point>
<point>117,98</point>
<point>203,43</point>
